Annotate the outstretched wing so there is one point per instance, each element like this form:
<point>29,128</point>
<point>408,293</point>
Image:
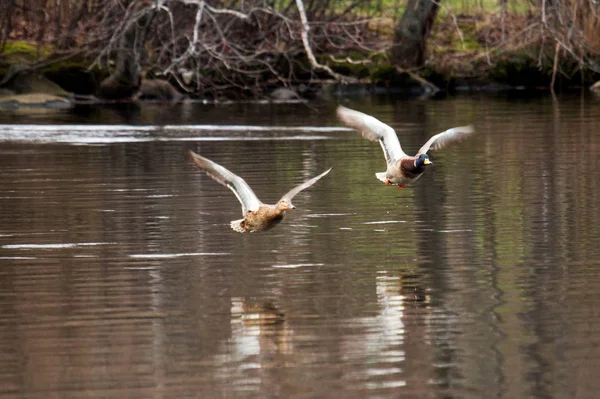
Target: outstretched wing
<point>374,130</point>
<point>240,188</point>
<point>292,193</point>
<point>446,138</point>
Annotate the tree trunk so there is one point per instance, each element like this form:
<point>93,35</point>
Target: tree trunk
<point>410,36</point>
<point>125,81</point>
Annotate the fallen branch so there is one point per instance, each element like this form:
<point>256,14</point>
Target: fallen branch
<point>423,81</point>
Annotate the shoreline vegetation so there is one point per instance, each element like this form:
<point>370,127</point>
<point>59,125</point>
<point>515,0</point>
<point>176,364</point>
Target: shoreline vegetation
<point>103,50</point>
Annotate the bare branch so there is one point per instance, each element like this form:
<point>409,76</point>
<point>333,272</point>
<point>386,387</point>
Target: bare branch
<point>308,49</point>
<point>555,67</point>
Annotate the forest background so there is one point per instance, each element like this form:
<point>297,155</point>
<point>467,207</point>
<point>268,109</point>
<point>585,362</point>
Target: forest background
<point>248,48</point>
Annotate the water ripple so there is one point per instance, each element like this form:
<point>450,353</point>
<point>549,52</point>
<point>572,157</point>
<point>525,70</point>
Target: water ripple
<point>177,255</point>
<point>56,246</point>
<point>106,134</point>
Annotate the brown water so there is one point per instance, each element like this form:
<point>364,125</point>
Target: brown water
<point>120,277</point>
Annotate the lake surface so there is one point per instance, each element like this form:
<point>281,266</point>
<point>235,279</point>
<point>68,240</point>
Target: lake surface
<point>120,276</point>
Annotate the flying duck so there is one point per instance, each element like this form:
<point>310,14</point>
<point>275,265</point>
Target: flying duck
<point>401,168</point>
<point>257,216</point>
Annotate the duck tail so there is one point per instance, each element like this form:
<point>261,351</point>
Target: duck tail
<point>381,176</point>
<point>238,225</point>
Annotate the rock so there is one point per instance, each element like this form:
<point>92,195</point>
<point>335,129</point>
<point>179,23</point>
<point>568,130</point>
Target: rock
<point>25,87</point>
<point>35,100</point>
<point>115,87</point>
<point>6,92</point>
<point>283,93</point>
<point>159,90</point>
<point>22,80</point>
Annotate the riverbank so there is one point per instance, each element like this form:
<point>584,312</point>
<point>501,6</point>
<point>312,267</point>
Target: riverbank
<point>465,53</point>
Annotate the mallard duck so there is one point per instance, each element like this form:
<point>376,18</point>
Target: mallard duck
<point>401,168</point>
<point>257,216</point>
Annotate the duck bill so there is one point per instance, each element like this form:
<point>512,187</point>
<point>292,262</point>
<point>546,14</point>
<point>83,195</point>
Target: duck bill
<point>427,162</point>
<point>291,207</point>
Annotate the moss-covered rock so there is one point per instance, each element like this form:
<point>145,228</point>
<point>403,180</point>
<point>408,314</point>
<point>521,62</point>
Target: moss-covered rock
<point>22,80</point>
<point>24,87</point>
<point>20,51</point>
<point>35,100</point>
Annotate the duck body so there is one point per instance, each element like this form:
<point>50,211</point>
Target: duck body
<point>265,218</point>
<point>401,168</point>
<point>402,172</point>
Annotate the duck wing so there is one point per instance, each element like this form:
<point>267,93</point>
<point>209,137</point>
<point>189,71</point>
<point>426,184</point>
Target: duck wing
<point>374,130</point>
<point>450,136</point>
<point>240,188</point>
<point>292,193</point>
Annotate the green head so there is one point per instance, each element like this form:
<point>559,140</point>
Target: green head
<point>422,160</point>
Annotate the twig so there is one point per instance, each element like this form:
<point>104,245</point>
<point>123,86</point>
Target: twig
<point>349,60</point>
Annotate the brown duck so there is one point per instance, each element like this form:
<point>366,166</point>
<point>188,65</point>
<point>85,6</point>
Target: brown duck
<point>257,216</point>
<point>401,168</point>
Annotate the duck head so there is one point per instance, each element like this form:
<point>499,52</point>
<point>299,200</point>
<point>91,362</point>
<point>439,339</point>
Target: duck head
<point>423,159</point>
<point>285,205</point>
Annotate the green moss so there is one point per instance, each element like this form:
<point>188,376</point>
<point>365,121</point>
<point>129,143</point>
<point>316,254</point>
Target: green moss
<point>15,50</point>
<point>12,47</point>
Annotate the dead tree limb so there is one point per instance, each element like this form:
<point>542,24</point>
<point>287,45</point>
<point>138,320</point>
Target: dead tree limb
<point>308,49</point>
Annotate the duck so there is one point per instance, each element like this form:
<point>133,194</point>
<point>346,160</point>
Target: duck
<point>401,168</point>
<point>257,215</point>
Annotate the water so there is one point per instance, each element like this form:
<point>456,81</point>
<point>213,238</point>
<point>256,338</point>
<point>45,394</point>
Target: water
<point>120,277</point>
